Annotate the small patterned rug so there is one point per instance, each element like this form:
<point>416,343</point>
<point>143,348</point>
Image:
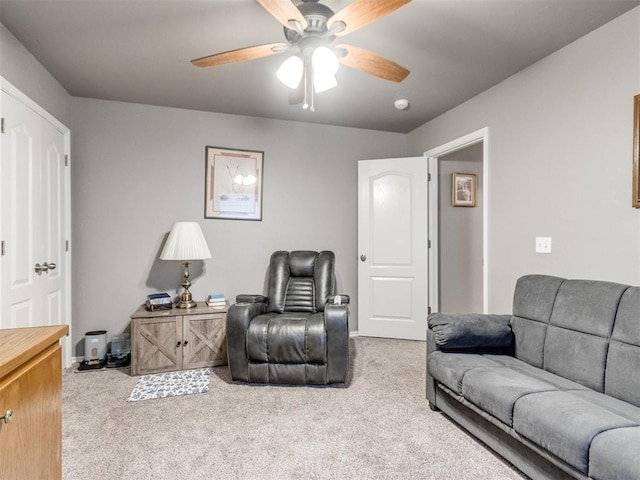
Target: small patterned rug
<point>171,384</point>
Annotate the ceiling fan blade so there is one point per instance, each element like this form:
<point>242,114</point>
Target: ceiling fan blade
<point>362,12</point>
<point>284,11</point>
<point>240,55</point>
<point>371,63</point>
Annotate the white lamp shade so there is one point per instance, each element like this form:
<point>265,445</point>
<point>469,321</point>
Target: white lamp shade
<point>325,65</point>
<point>325,61</point>
<point>323,82</point>
<point>185,242</point>
<point>290,72</point>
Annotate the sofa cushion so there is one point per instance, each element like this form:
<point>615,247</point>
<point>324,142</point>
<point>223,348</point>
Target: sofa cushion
<point>587,306</point>
<point>470,330</point>
<point>577,339</point>
<point>619,407</point>
<point>534,296</point>
<point>564,424</point>
<point>615,454</point>
<point>557,381</point>
<point>533,301</point>
<point>529,339</point>
<point>576,355</point>
<point>449,368</point>
<point>623,360</point>
<point>496,389</point>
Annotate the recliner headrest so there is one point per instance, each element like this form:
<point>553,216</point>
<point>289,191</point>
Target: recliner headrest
<point>302,263</point>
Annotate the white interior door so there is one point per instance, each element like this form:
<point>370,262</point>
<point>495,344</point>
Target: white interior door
<point>34,209</point>
<point>393,248</point>
<point>22,302</point>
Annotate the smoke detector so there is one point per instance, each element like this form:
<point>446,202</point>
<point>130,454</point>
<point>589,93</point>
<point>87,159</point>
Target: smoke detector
<point>401,104</point>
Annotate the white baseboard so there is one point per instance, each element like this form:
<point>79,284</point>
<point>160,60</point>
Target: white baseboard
<point>353,334</point>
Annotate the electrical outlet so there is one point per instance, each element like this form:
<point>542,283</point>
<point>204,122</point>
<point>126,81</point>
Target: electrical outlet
<point>543,244</point>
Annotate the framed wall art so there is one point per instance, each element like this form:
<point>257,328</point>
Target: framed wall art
<point>464,190</point>
<point>635,201</point>
<point>233,183</point>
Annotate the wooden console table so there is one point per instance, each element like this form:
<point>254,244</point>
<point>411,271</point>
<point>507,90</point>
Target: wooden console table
<point>31,402</point>
<point>177,339</point>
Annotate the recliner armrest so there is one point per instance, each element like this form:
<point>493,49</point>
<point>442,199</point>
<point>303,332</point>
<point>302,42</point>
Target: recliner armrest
<point>337,299</point>
<point>238,318</point>
<point>251,298</point>
<point>454,331</point>
<point>336,318</point>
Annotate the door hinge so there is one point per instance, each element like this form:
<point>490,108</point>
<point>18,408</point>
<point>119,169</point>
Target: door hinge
<point>428,243</point>
<point>2,125</point>
<point>429,310</point>
<point>66,245</point>
<point>2,248</point>
<point>66,160</point>
<point>429,176</point>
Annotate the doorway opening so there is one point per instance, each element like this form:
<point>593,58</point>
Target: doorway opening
<point>458,258</point>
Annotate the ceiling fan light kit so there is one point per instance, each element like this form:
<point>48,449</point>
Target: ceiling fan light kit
<point>312,27</point>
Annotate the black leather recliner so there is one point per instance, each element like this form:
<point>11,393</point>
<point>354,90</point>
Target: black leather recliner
<point>299,332</point>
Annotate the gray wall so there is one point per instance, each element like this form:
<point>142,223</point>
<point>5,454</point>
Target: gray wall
<point>460,236</point>
<point>559,165</point>
<point>560,150</point>
<point>138,169</point>
<point>22,69</point>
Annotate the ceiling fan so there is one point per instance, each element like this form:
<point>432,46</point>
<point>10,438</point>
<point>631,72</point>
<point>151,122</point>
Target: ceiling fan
<point>310,30</point>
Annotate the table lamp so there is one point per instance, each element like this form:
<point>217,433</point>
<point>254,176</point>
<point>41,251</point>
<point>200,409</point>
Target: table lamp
<point>186,242</point>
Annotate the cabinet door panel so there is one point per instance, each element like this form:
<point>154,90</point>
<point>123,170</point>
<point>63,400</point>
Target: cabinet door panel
<point>205,340</point>
<point>31,443</point>
<point>156,344</point>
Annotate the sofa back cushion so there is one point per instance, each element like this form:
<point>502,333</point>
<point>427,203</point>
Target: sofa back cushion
<point>586,331</point>
<point>577,340</point>
<point>532,306</point>
<point>622,379</point>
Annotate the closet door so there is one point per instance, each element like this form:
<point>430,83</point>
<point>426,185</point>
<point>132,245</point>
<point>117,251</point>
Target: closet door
<point>33,226</point>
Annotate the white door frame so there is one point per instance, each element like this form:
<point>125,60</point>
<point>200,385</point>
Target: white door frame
<point>433,155</point>
<point>15,92</point>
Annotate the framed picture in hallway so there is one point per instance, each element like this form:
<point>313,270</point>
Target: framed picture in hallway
<point>233,184</point>
<point>464,190</point>
<point>635,201</point>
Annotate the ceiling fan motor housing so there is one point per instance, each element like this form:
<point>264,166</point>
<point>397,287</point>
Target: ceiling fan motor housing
<point>317,15</point>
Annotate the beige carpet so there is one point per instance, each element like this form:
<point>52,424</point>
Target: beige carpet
<point>380,427</point>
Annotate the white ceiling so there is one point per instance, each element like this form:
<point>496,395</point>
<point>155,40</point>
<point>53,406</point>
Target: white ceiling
<point>139,51</point>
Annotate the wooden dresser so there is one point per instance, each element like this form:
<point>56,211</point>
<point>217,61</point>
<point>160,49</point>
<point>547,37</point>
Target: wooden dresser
<point>31,402</point>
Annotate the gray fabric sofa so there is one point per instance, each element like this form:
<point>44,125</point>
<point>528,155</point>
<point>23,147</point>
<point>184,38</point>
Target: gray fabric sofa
<point>555,387</point>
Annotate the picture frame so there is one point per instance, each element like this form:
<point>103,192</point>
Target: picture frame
<point>233,183</point>
<point>464,190</point>
<point>635,200</point>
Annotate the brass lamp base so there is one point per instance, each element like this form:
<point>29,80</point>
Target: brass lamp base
<point>185,298</point>
<point>182,304</point>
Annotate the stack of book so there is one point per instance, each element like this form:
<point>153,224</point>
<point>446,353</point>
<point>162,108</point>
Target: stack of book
<point>217,301</point>
<point>158,301</point>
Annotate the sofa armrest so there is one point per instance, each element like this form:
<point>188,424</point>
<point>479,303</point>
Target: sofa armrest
<point>455,331</point>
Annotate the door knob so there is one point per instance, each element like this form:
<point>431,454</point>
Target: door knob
<point>45,267</point>
<point>363,258</point>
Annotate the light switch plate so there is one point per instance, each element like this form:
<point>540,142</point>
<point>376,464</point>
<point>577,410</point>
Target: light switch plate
<point>543,244</point>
